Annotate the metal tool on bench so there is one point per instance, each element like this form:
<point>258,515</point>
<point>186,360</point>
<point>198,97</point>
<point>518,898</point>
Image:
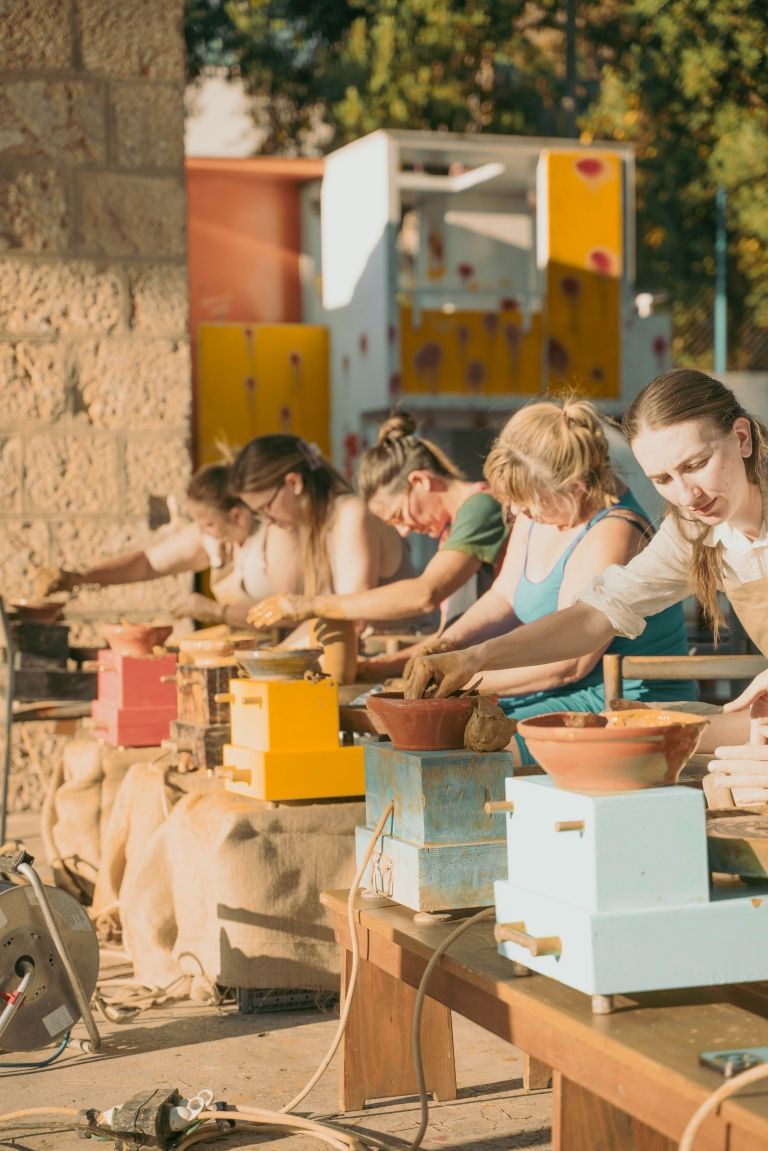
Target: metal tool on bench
<point>610,893</point>
<point>49,961</point>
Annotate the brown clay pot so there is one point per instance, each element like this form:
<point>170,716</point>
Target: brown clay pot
<point>278,663</point>
<point>39,610</point>
<point>634,750</point>
<point>422,724</point>
<point>136,639</point>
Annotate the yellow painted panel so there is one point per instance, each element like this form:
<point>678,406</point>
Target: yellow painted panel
<point>586,259</point>
<point>277,775</point>
<point>257,379</point>
<point>264,714</point>
<point>470,353</point>
<point>585,208</point>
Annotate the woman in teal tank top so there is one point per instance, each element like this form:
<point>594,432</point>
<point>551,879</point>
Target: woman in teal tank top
<point>572,518</point>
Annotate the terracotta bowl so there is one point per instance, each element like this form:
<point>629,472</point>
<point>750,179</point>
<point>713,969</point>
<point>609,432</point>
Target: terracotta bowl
<point>422,724</point>
<point>39,610</point>
<point>628,751</point>
<point>135,639</point>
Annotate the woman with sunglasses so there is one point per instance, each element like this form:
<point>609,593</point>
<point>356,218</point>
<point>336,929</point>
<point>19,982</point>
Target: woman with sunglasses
<point>411,485</point>
<point>572,519</point>
<point>247,560</point>
<point>345,550</point>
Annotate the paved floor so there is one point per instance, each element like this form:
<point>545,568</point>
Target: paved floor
<point>264,1059</point>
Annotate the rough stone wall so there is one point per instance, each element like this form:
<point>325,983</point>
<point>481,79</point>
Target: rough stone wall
<point>95,392</point>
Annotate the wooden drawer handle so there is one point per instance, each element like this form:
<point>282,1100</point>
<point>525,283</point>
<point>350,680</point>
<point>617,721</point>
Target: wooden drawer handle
<point>224,697</point>
<point>569,825</point>
<point>536,944</point>
<point>494,805</point>
<point>167,678</point>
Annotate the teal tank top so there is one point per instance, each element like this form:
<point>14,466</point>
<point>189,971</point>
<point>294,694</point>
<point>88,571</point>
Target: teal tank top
<point>664,632</point>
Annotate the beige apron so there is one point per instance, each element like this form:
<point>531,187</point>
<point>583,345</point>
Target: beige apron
<point>750,603</point>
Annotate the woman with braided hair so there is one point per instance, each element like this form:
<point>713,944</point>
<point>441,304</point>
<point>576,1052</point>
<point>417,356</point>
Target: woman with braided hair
<point>572,519</point>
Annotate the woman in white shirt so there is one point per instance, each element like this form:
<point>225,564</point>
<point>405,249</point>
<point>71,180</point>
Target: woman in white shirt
<point>248,559</point>
<point>709,460</point>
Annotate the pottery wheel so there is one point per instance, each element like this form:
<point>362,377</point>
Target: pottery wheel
<point>738,845</point>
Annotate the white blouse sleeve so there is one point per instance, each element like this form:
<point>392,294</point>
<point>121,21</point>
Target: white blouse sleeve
<point>655,579</point>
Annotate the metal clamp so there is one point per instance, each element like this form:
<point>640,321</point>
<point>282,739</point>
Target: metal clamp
<point>536,944</point>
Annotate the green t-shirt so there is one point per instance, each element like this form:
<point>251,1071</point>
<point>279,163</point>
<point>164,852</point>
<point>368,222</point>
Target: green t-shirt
<point>478,530</point>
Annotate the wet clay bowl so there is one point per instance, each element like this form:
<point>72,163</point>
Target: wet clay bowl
<point>422,724</point>
<point>618,751</point>
<point>136,639</point>
<point>38,610</point>
<point>276,663</point>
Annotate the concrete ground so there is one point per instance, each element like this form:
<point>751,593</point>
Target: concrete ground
<point>264,1060</point>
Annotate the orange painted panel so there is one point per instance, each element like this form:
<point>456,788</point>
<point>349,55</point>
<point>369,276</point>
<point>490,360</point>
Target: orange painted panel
<point>256,379</point>
<point>586,260</point>
<point>470,353</point>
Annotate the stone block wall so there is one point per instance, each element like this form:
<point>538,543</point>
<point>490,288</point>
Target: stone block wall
<point>95,394</point>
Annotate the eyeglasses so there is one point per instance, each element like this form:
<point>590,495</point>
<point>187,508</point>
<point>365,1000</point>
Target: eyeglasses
<point>264,512</point>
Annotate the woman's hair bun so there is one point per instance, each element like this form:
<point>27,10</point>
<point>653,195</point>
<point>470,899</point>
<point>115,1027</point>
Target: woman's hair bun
<point>396,427</point>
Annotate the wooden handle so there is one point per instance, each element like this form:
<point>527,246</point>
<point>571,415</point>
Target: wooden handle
<point>494,805</point>
<point>569,825</point>
<point>536,944</point>
<point>224,697</point>
<point>167,678</point>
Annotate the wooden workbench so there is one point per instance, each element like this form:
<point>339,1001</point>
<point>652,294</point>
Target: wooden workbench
<point>629,1081</point>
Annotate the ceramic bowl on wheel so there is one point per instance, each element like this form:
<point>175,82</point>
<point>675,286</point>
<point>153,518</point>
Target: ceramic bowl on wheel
<point>278,663</point>
<point>613,752</point>
<point>136,639</point>
<point>38,610</point>
<point>422,724</point>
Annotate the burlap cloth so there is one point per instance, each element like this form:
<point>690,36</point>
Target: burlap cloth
<point>229,888</point>
<point>77,806</point>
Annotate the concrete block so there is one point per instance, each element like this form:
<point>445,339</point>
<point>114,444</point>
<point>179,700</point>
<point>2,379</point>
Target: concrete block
<point>36,35</point>
<point>77,296</point>
<point>149,125</point>
<point>11,473</point>
<point>33,382</point>
<point>158,299</point>
<point>24,547</point>
<point>140,39</point>
<point>154,464</point>
<point>64,120</point>
<point>134,382</point>
<point>34,211</point>
<point>124,215</point>
<point>73,473</point>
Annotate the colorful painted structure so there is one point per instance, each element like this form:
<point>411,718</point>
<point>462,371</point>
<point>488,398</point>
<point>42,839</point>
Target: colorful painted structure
<point>461,276</point>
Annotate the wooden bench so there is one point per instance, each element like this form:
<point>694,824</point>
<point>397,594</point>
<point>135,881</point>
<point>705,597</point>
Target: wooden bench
<point>625,1082</point>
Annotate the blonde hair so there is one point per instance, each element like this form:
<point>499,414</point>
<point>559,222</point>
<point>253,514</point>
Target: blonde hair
<point>265,462</point>
<point>674,398</point>
<point>553,447</point>
<point>398,451</point>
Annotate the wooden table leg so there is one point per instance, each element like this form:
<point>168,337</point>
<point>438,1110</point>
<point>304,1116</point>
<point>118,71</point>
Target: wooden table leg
<point>377,1061</point>
<point>582,1120</point>
<point>537,1076</point>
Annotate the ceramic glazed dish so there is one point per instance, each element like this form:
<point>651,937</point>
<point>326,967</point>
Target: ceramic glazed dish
<point>276,663</point>
<point>422,724</point>
<point>39,610</point>
<point>619,751</point>
<point>135,639</point>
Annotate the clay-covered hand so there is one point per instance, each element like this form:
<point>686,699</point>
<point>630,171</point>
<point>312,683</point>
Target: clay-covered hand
<point>429,647</point>
<point>279,609</point>
<point>755,697</point>
<point>198,607</point>
<point>449,672</point>
<point>50,580</point>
